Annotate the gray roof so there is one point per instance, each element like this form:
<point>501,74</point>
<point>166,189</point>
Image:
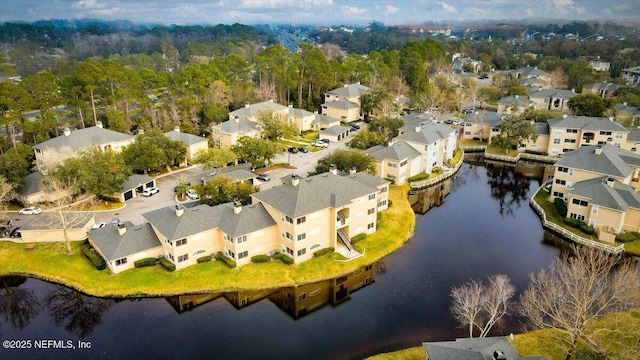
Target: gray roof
<point>134,181</point>
<point>341,104</point>
<point>242,125</point>
<point>84,139</point>
<point>612,161</point>
<point>618,197</point>
<point>313,194</point>
<point>428,134</point>
<point>515,100</point>
<point>238,174</point>
<point>203,218</point>
<point>367,179</point>
<point>586,123</point>
<point>531,71</point>
<point>602,86</point>
<point>298,113</point>
<point>324,119</point>
<point>115,246</point>
<point>634,110</point>
<point>473,349</point>
<point>350,90</point>
<point>254,110</point>
<point>412,120</point>
<point>484,117</point>
<point>32,184</point>
<point>634,135</point>
<point>51,220</point>
<point>553,93</point>
<point>335,130</point>
<point>398,151</point>
<point>185,138</point>
<point>542,128</point>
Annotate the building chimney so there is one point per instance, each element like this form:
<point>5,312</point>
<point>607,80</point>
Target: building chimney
<point>610,181</point>
<point>624,103</point>
<point>179,210</point>
<point>611,118</point>
<point>499,355</point>
<point>237,207</point>
<point>176,128</point>
<point>564,116</point>
<point>390,143</point>
<point>246,106</point>
<point>417,128</point>
<point>67,131</point>
<point>99,124</point>
<point>122,228</point>
<point>333,169</point>
<point>598,150</point>
<point>236,119</point>
<point>353,170</point>
<point>140,131</point>
<point>517,96</point>
<point>295,180</point>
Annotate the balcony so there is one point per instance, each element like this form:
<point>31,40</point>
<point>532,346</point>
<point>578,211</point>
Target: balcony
<point>341,221</point>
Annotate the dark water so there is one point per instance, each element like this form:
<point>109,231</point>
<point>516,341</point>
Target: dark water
<point>484,227</point>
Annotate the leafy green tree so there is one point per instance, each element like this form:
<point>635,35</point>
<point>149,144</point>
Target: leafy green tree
<point>222,189</point>
<point>344,160</point>
<point>255,151</point>
<point>214,113</point>
<point>365,139</point>
<point>96,172</point>
<point>215,158</point>
<point>152,151</point>
<point>91,74</point>
<point>371,102</point>
<point>276,125</point>
<point>14,100</point>
<point>514,130</point>
<point>588,105</point>
<point>387,127</point>
<point>15,163</point>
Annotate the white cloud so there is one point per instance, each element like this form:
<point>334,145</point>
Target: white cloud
<point>390,9</point>
<point>449,9</point>
<point>353,10</point>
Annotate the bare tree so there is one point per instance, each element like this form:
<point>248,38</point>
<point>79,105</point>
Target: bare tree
<point>6,194</point>
<point>266,91</point>
<point>576,290</point>
<point>479,306</point>
<point>558,79</point>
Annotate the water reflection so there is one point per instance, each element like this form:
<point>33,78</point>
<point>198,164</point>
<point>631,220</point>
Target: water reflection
<point>18,306</point>
<point>509,187</point>
<point>76,312</point>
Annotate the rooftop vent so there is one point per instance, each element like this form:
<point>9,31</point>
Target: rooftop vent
<point>499,355</point>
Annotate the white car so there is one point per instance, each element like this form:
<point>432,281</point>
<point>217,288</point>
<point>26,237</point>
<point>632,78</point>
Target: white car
<point>321,144</point>
<point>98,225</point>
<point>31,210</point>
<point>150,191</point>
<point>193,195</point>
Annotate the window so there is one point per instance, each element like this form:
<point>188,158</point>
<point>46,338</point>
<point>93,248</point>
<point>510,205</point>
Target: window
<point>558,194</point>
<point>607,133</point>
<point>243,255</point>
<point>382,203</point>
<point>302,236</point>
<point>372,196</point>
<point>286,234</point>
<point>289,251</point>
<point>228,238</point>
<point>618,135</point>
<point>302,252</point>
<point>556,141</point>
<point>302,297</point>
<point>170,257</point>
<point>121,261</point>
<point>577,216</point>
<point>181,242</point>
<point>230,254</point>
<point>287,219</point>
<point>301,220</point>
<point>594,209</point>
<point>383,190</point>
<point>371,226</point>
<point>570,141</point>
<point>184,257</point>
<point>371,211</point>
<point>579,202</point>
<point>557,131</point>
<point>393,165</point>
<point>561,182</point>
<point>241,239</point>
<point>403,163</point>
<point>572,131</point>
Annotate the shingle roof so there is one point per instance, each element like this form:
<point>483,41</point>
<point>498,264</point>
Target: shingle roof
<point>341,104</point>
<point>367,179</point>
<point>351,90</point>
<point>299,113</point>
<point>515,100</point>
<point>634,135</point>
<point>555,93</point>
<point>324,119</point>
<point>473,349</point>
<point>32,184</point>
<point>115,246</point>
<point>484,117</point>
<point>238,175</point>
<point>252,218</point>
<point>531,71</point>
<point>612,161</point>
<point>586,123</point>
<point>313,194</point>
<point>602,86</point>
<point>429,133</point>
<point>542,128</point>
<point>242,125</point>
<point>335,130</point>
<point>634,110</point>
<point>398,151</point>
<point>618,197</point>
<point>134,181</point>
<point>185,138</point>
<point>84,139</point>
<point>51,220</point>
<point>254,110</point>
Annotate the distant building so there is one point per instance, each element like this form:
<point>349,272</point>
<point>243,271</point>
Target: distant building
<point>603,89</point>
<point>488,348</point>
<point>632,75</point>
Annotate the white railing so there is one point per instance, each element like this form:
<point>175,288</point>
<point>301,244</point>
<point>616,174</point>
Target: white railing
<point>568,234</point>
<point>524,155</point>
<point>428,182</point>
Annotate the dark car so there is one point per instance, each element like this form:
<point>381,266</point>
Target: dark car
<point>15,233</point>
<point>4,231</point>
<point>355,127</point>
<point>303,149</point>
<point>325,141</point>
<point>293,150</point>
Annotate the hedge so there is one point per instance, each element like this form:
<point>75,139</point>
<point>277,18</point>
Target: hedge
<point>627,237</point>
<point>204,259</point>
<point>145,262</point>
<point>167,264</point>
<point>230,263</point>
<point>560,206</point>
<point>324,251</point>
<point>284,258</point>
<point>92,256</point>
<point>573,222</point>
<point>358,238</point>
<point>260,259</point>
<point>418,177</point>
<point>587,229</point>
<point>536,152</point>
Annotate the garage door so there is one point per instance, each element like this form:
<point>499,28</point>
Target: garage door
<point>128,195</point>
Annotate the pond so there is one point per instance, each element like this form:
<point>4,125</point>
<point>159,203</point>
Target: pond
<point>483,227</point>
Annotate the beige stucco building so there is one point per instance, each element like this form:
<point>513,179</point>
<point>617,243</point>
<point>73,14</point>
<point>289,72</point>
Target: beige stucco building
<point>571,132</point>
<point>194,144</point>
<point>344,103</point>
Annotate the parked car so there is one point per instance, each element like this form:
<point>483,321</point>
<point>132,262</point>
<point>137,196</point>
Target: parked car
<point>115,221</point>
<point>193,194</point>
<point>209,176</point>
<point>31,210</point>
<point>150,191</point>
<point>6,223</point>
<point>15,233</point>
<point>321,144</point>
<point>355,127</point>
<point>98,225</point>
<point>325,141</point>
<point>293,150</point>
<point>4,231</point>
<point>263,177</point>
<point>468,110</point>
<point>303,149</point>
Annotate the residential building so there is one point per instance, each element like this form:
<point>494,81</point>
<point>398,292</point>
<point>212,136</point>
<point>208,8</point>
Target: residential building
<point>344,103</point>
<point>603,89</point>
<point>32,192</point>
<point>552,99</point>
<point>629,115</point>
<point>349,92</point>
<point>134,186</point>
<point>398,161</point>
<point>228,132</point>
<point>514,104</point>
<point>335,133</point>
<point>48,227</point>
<point>194,144</point>
<point>252,111</point>
<point>321,122</point>
<point>571,132</point>
<point>631,75</point>
<point>481,125</point>
<point>542,141</point>
<point>599,64</point>
<point>303,119</point>
<point>529,72</point>
<point>460,63</point>
<point>487,348</point>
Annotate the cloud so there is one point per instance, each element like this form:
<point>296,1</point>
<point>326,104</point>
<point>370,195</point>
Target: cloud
<point>390,9</point>
<point>353,10</point>
<point>449,9</point>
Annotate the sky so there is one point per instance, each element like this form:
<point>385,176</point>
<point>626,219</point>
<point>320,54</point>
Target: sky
<point>315,12</point>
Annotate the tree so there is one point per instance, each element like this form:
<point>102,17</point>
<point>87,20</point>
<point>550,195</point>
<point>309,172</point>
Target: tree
<point>256,151</point>
<point>97,172</point>
<point>577,289</point>
<point>387,127</point>
<point>152,151</point>
<point>558,79</point>
<point>276,125</point>
<point>15,163</point>
<point>372,101</point>
<point>345,160</point>
<point>6,194</point>
<point>588,105</point>
<point>78,313</point>
<point>222,189</point>
<point>14,100</point>
<point>215,158</point>
<point>365,139</point>
<point>514,130</point>
<point>479,306</point>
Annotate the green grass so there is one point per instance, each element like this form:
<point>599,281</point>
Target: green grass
<point>414,353</point>
<point>49,261</point>
<point>499,151</point>
<point>554,216</point>
<point>471,142</point>
<point>633,248</point>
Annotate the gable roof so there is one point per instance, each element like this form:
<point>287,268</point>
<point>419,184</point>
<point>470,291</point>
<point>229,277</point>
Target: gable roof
<point>484,117</point>
<point>515,100</point>
<point>185,138</point>
<point>32,184</point>
<point>251,218</point>
<point>429,133</point>
<point>313,194</point>
<point>552,93</point>
<point>602,86</point>
<point>324,119</point>
<point>50,220</point>
<point>84,139</point>
<point>531,71</point>
<point>241,125</point>
<point>634,135</point>
<point>473,349</point>
<point>611,161</point>
<point>335,130</point>
<point>634,110</point>
<point>398,151</point>
<point>134,181</point>
<point>237,175</point>
<point>350,90</point>
<point>299,113</point>
<point>619,196</point>
<point>341,104</point>
<point>253,110</point>
<point>542,128</point>
<point>115,246</point>
<point>586,123</point>
<point>367,179</point>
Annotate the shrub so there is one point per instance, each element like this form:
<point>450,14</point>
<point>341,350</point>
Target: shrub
<point>324,251</point>
<point>204,259</point>
<point>260,259</point>
<point>573,222</point>
<point>392,181</point>
<point>92,256</point>
<point>145,262</point>
<point>167,264</point>
<point>536,152</point>
<point>230,263</point>
<point>560,206</point>
<point>284,258</point>
<point>389,203</point>
<point>589,230</point>
<point>418,177</point>
<point>358,238</point>
<point>627,237</point>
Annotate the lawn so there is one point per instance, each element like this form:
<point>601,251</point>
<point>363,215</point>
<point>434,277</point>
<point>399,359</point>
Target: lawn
<point>50,262</point>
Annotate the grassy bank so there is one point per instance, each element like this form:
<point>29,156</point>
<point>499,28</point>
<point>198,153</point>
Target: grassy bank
<point>50,262</point>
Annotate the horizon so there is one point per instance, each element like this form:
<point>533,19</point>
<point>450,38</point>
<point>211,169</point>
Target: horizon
<point>319,12</point>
